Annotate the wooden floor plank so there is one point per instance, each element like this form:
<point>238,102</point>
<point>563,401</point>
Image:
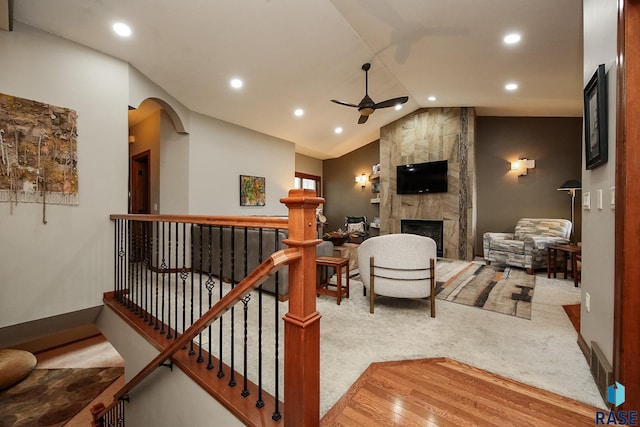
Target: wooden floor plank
<point>441,392</point>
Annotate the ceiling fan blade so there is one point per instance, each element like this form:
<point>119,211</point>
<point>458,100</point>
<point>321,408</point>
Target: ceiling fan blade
<point>363,119</point>
<point>392,102</point>
<point>348,104</point>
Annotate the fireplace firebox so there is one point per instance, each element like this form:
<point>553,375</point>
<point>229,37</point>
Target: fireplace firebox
<point>424,227</point>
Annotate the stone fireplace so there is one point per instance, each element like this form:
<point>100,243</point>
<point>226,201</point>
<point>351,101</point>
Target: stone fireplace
<point>428,228</point>
<point>426,135</point>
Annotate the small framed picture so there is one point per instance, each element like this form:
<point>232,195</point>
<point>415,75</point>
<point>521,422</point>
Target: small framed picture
<point>595,119</point>
<point>252,190</point>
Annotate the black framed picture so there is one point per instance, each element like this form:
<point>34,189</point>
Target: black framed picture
<point>595,119</point>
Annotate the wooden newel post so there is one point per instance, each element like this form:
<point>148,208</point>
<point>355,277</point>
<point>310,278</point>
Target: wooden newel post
<point>302,322</point>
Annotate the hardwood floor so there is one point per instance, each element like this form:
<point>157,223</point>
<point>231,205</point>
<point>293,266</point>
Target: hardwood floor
<point>426,392</point>
<point>573,311</point>
<point>443,392</point>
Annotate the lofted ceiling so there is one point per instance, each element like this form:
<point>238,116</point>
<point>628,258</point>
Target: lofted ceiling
<point>301,54</point>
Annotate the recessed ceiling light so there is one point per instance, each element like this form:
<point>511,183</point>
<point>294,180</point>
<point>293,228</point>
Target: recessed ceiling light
<point>121,29</point>
<point>236,83</point>
<point>299,112</point>
<point>432,98</point>
<point>398,107</point>
<point>338,130</point>
<point>512,38</point>
<point>511,86</point>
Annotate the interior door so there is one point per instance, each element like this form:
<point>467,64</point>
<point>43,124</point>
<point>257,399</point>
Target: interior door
<point>140,188</point>
<point>140,184</point>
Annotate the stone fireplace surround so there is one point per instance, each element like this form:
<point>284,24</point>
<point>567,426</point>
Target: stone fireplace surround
<point>423,136</point>
<point>425,227</point>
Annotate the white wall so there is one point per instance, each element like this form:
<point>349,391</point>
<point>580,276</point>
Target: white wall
<point>66,264</point>
<point>220,152</point>
<point>600,46</point>
<point>174,169</point>
<point>166,397</point>
<point>310,165</point>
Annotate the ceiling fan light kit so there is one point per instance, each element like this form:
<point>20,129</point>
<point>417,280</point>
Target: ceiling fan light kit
<point>367,106</point>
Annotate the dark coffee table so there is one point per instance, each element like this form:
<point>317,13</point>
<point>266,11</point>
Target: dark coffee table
<point>568,252</point>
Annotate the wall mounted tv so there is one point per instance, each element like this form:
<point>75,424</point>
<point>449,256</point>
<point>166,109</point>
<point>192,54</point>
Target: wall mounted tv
<point>418,178</point>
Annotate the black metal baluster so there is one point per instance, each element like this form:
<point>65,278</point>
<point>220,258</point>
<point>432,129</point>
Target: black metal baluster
<point>184,276</point>
<point>177,286</point>
<point>135,256</point>
<point>157,267</point>
<point>145,264</point>
<point>200,358</point>
<point>129,262</point>
<point>221,276</point>
<point>191,350</point>
<point>245,304</point>
<point>232,380</point>
<point>168,244</point>
<point>209,285</point>
<point>276,413</point>
<point>118,260</point>
<point>177,279</point>
<point>260,401</point>
<point>163,269</point>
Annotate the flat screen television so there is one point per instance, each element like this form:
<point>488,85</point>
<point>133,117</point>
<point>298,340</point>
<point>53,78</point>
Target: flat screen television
<point>418,178</point>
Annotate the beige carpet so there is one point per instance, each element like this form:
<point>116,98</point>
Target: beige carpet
<point>541,352</point>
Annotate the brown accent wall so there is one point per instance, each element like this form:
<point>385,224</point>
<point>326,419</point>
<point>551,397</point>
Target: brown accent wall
<point>554,143</point>
<point>343,196</point>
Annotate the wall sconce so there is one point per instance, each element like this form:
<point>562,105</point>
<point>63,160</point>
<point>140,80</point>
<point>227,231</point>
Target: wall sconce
<point>522,165</point>
<point>362,180</point>
<point>132,139</point>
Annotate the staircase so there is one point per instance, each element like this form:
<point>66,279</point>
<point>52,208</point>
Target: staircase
<point>153,304</point>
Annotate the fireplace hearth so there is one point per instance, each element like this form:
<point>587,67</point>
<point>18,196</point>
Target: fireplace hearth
<point>424,227</point>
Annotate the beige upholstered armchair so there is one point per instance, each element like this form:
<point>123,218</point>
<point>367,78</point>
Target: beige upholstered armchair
<point>398,265</point>
<point>527,246</point>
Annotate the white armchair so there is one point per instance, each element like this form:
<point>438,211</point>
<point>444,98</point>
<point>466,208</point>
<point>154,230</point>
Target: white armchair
<point>398,265</point>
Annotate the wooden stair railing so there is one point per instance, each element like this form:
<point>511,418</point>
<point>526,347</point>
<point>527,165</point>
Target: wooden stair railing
<point>265,270</point>
<point>301,322</point>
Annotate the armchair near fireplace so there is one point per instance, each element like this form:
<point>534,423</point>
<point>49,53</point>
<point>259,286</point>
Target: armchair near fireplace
<point>527,246</point>
<point>357,227</point>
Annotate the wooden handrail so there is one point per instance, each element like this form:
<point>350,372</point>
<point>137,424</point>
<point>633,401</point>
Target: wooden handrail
<point>239,221</point>
<point>268,268</point>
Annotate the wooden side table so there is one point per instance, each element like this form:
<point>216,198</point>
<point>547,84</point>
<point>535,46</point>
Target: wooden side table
<point>323,287</point>
<point>567,252</point>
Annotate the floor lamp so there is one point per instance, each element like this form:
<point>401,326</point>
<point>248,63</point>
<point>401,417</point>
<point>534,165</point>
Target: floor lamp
<point>571,186</point>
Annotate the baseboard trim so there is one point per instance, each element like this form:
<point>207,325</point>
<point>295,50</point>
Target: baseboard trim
<point>586,350</point>
<point>44,334</point>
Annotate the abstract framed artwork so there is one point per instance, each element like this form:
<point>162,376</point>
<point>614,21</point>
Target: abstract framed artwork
<point>252,190</point>
<point>38,152</point>
<point>595,119</point>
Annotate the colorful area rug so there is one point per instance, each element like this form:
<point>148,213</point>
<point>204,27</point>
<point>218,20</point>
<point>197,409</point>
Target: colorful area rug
<point>50,397</point>
<point>496,288</point>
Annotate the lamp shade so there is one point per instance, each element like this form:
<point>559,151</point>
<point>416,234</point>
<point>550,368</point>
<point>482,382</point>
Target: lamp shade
<point>571,184</point>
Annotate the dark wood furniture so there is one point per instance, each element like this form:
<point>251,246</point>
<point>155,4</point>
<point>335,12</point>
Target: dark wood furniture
<point>326,288</point>
<point>568,253</point>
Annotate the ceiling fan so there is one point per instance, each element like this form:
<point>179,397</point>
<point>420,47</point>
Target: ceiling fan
<point>366,107</point>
